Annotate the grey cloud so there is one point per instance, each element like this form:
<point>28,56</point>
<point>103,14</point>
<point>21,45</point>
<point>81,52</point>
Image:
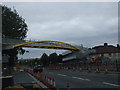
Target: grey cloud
<point>76,23</point>
<point>74,28</point>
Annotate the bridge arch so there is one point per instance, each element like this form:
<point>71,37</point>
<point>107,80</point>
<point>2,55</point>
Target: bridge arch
<point>49,44</point>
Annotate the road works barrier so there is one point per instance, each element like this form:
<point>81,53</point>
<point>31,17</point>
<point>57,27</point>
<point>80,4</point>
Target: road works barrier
<point>89,69</point>
<point>81,69</point>
<point>48,81</point>
<point>106,71</point>
<point>97,70</point>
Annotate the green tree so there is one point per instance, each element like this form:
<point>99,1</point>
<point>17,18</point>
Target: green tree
<point>59,58</point>
<point>53,58</point>
<point>44,59</point>
<point>13,26</point>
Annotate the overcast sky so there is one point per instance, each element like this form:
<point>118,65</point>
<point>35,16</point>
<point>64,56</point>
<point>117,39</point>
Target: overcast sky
<point>87,23</point>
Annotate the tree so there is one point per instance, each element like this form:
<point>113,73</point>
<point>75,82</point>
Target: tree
<point>44,59</point>
<point>53,58</point>
<point>60,58</point>
<point>13,26</point>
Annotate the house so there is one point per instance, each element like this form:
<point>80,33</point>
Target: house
<point>106,52</point>
<point>76,57</point>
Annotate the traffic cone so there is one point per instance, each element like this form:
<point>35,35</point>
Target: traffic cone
<point>97,71</point>
<point>48,79</point>
<point>45,78</point>
<point>89,69</point>
<point>80,69</point>
<point>106,71</point>
<point>36,77</point>
<point>54,82</point>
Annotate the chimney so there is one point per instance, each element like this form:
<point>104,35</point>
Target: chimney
<point>105,44</point>
<point>118,45</point>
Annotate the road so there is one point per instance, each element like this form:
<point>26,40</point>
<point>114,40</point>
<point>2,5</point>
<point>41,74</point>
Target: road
<point>83,79</point>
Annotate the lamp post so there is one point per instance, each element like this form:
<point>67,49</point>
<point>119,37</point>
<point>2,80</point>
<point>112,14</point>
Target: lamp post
<point>116,65</point>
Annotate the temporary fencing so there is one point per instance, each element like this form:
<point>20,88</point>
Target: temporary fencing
<point>48,81</point>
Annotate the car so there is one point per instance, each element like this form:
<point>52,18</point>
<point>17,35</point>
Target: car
<point>38,68</point>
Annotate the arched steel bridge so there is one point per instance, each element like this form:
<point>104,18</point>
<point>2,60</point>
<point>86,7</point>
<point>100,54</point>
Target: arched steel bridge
<point>48,44</point>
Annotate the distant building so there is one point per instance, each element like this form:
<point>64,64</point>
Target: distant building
<point>102,54</point>
<point>76,57</point>
<point>106,51</point>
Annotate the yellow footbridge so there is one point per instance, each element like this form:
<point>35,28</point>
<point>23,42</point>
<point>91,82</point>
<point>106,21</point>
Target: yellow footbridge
<point>48,44</point>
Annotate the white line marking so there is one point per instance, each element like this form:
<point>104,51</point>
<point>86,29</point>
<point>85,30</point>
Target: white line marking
<point>82,78</point>
<point>75,77</point>
<point>111,84</point>
<point>61,75</point>
<point>78,78</point>
<point>87,79</point>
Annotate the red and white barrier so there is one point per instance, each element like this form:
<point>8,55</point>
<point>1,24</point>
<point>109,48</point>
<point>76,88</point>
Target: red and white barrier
<point>48,81</point>
<point>89,69</point>
<point>97,70</point>
<point>106,71</point>
<point>81,69</point>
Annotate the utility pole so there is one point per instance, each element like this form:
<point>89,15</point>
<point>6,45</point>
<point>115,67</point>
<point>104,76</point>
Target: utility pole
<point>117,65</point>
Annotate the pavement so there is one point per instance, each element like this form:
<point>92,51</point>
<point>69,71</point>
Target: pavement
<point>73,79</point>
<point>25,80</point>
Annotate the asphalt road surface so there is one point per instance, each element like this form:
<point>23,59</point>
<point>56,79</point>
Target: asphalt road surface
<point>83,79</point>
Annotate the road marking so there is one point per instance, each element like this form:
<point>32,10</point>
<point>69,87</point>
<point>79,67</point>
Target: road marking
<point>78,78</point>
<point>81,78</point>
<point>87,79</point>
<point>111,84</point>
<point>61,74</point>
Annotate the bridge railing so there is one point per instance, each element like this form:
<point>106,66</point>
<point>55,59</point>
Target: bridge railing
<point>15,41</point>
<point>12,41</point>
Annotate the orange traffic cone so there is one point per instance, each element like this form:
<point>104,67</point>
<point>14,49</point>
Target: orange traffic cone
<point>80,69</point>
<point>97,70</point>
<point>54,82</point>
<point>89,69</point>
<point>106,71</point>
